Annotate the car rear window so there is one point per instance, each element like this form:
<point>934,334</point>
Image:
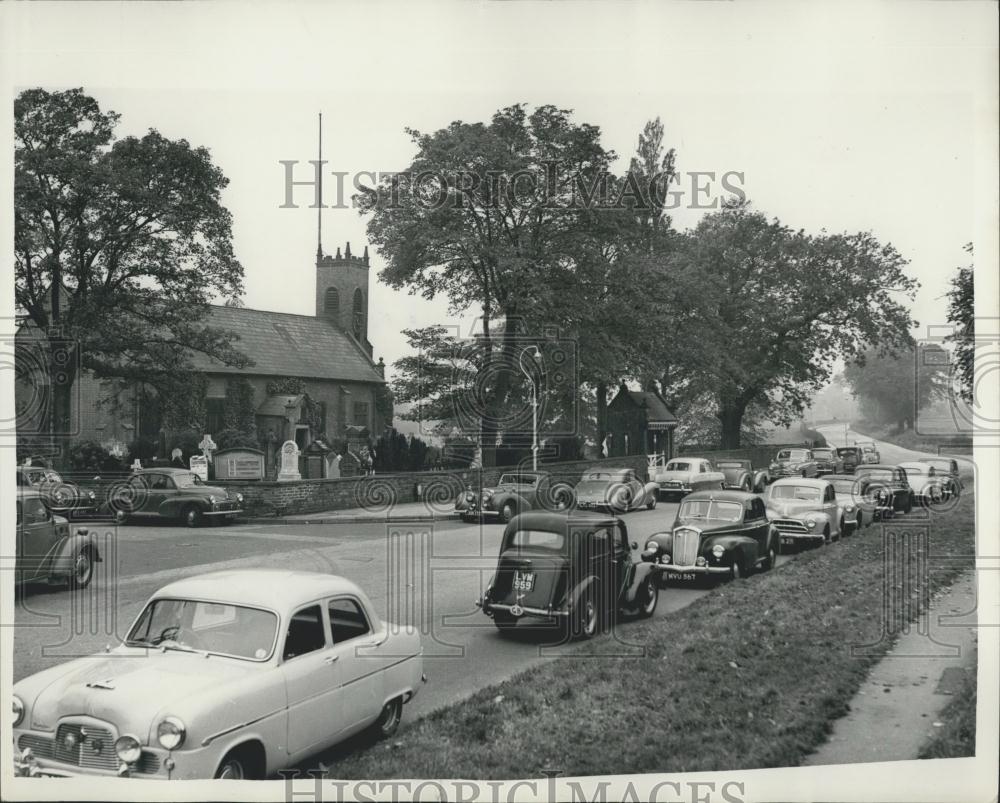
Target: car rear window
<point>823,453</point>
<point>537,539</point>
<point>674,466</point>
<point>710,509</point>
<point>793,454</point>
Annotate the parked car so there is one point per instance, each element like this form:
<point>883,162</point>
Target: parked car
<point>724,533</point>
<point>946,468</point>
<point>233,674</point>
<point>172,493</point>
<point>514,493</point>
<point>741,475</point>
<point>47,548</point>
<point>858,499</point>
<point>793,463</point>
<point>851,457</point>
<point>618,490</point>
<point>571,570</point>
<point>684,475</point>
<point>805,511</point>
<point>62,496</point>
<point>828,461</point>
<point>890,486</point>
<point>928,488</point>
<point>869,452</point>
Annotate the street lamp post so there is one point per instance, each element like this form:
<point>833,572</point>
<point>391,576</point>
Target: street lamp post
<point>534,403</point>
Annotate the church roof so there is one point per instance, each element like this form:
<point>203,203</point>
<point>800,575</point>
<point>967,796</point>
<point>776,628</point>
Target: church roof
<point>283,344</point>
<point>656,407</point>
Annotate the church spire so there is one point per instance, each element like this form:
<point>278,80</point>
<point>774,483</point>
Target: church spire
<point>319,192</point>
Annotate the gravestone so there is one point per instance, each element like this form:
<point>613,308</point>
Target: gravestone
<point>198,464</point>
<point>207,447</point>
<point>289,470</point>
<point>239,463</point>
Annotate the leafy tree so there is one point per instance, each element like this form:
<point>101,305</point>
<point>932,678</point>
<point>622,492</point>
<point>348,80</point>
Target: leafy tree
<point>889,387</point>
<point>962,314</point>
<point>120,245</point>
<point>775,307</point>
<point>239,413</point>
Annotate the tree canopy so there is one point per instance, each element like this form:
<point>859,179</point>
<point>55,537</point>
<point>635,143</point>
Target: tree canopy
<point>892,386</point>
<point>962,315</point>
<point>120,244</point>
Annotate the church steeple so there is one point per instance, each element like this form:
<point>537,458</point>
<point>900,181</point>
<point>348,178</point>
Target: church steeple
<point>342,292</point>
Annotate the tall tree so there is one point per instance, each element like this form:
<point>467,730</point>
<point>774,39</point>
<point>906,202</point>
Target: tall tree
<point>775,307</point>
<point>890,387</point>
<point>119,247</point>
<point>962,315</point>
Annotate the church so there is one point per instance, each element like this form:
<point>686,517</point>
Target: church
<point>311,379</point>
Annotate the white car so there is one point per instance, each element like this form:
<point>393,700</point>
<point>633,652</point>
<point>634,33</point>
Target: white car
<point>683,475</point>
<point>805,511</point>
<point>233,674</point>
<point>928,487</point>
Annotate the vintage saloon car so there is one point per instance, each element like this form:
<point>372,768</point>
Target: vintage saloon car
<point>890,486</point>
<point>858,500</point>
<point>47,549</point>
<point>232,674</point>
<point>827,460</point>
<point>850,457</point>
<point>514,493</point>
<point>614,489</point>
<point>805,511</point>
<point>928,488</point>
<point>572,570</point>
<point>684,475</point>
<point>173,493</point>
<point>742,476</point>
<point>722,533</point>
<point>869,452</point>
<point>946,468</point>
<point>62,496</point>
<point>793,463</point>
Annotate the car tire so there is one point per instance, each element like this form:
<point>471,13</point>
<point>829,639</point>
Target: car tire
<point>83,570</point>
<point>736,569</point>
<point>908,504</point>
<point>508,511</point>
<point>388,721</point>
<point>585,618</point>
<point>504,621</point>
<point>651,504</point>
<point>192,515</point>
<point>826,535</point>
<point>770,560</point>
<point>240,764</point>
<point>746,487</point>
<point>650,592</point>
<point>840,530</point>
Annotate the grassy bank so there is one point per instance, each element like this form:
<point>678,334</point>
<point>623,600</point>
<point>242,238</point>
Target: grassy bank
<point>751,675</point>
<point>957,736</point>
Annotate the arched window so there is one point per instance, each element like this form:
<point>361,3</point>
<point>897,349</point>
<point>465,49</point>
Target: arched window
<point>359,313</point>
<point>331,303</point>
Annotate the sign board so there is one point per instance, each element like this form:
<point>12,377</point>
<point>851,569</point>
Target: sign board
<point>199,465</point>
<point>289,462</point>
<point>239,464</point>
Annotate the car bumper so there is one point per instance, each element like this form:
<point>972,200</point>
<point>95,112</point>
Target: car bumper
<point>668,488</point>
<point>793,537</point>
<point>156,764</point>
<point>234,512</point>
<point>519,610</point>
<point>672,568</point>
<point>476,512</point>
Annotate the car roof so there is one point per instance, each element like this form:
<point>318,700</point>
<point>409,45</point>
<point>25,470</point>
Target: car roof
<point>841,477</point>
<point>719,496</point>
<point>279,589</point>
<point>875,467</point>
<point>809,482</point>
<point>548,521</point>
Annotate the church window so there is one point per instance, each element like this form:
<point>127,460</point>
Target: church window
<point>359,313</point>
<point>361,414</point>
<point>331,303</point>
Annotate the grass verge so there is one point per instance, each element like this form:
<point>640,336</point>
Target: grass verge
<point>957,737</point>
<point>751,675</point>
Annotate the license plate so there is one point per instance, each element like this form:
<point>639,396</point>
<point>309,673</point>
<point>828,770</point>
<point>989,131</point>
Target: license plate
<point>684,576</point>
<point>787,540</point>
<point>524,581</point>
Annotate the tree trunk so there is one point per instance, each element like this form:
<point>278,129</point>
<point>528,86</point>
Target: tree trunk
<point>602,414</point>
<point>731,416</point>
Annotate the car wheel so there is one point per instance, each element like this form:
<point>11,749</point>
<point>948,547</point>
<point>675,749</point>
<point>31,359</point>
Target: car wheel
<point>735,569</point>
<point>231,769</point>
<point>840,530</point>
<point>508,511</point>
<point>746,486</point>
<point>770,560</point>
<point>83,570</point>
<point>650,596</point>
<point>503,620</point>
<point>586,618</point>
<point>908,504</point>
<point>826,534</point>
<point>241,763</point>
<point>651,504</point>
<point>192,515</point>
<point>388,721</point>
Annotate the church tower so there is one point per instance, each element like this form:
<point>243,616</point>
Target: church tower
<point>342,292</point>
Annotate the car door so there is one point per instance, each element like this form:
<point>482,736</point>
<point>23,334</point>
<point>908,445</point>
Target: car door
<point>600,564</point>
<point>832,509</point>
<point>757,527</point>
<point>37,536</point>
<point>360,667</point>
<point>311,672</point>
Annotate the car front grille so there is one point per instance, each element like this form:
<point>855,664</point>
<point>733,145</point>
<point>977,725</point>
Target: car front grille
<point>685,547</point>
<point>790,526</point>
<point>85,754</point>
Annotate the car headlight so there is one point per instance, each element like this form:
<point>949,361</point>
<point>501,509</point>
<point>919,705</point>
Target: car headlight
<point>487,495</point>
<point>92,496</point>
<point>849,508</point>
<point>811,524</point>
<point>18,710</point>
<point>128,749</point>
<point>718,550</point>
<point>469,497</point>
<point>170,733</point>
<point>665,559</point>
<point>652,545</point>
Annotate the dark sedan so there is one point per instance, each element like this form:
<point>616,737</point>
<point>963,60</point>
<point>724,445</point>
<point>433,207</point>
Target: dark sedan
<point>172,493</point>
<point>63,497</point>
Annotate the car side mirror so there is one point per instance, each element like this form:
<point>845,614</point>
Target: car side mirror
<point>634,545</point>
<point>649,555</point>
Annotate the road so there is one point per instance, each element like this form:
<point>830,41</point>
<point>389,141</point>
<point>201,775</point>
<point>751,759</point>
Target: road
<point>837,435</point>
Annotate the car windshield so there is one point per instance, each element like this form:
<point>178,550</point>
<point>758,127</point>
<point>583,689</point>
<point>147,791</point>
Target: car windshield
<point>537,539</point>
<point>219,628</point>
<point>604,476</point>
<point>847,451</point>
<point>710,509</point>
<point>674,465</point>
<point>187,480</point>
<point>517,479</point>
<point>824,453</point>
<point>802,492</point>
<point>914,470</point>
<point>793,454</point>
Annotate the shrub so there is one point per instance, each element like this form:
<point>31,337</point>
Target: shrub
<point>232,438</point>
<point>91,456</point>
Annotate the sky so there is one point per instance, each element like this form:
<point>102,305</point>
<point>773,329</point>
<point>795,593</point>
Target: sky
<point>844,117</point>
